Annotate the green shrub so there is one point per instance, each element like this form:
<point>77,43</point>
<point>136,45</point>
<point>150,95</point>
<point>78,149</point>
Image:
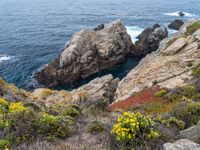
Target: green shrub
<point>190,92</point>
<point>95,126</point>
<point>173,121</point>
<point>196,71</point>
<point>188,112</point>
<point>133,129</point>
<point>71,111</point>
<point>192,28</point>
<point>4,144</point>
<point>59,126</point>
<point>161,93</point>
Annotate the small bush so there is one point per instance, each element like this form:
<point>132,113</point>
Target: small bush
<point>192,28</point>
<point>196,71</point>
<point>161,93</point>
<point>3,102</point>
<point>17,107</point>
<point>95,126</point>
<point>71,111</point>
<point>59,126</point>
<point>188,112</point>
<point>173,121</point>
<point>4,144</point>
<point>133,129</point>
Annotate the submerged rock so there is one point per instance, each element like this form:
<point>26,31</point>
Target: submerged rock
<point>182,144</point>
<point>148,40</point>
<point>87,53</point>
<point>176,24</point>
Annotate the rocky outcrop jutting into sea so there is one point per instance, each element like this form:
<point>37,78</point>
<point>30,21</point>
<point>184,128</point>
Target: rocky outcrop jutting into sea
<point>88,52</point>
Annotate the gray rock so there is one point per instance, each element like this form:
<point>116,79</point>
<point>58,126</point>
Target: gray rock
<point>176,24</point>
<point>192,133</point>
<point>99,27</point>
<point>149,40</point>
<point>86,53</point>
<point>175,46</point>
<point>181,13</point>
<point>182,144</point>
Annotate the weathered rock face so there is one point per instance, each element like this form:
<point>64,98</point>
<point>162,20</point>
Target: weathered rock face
<point>149,40</point>
<point>176,24</point>
<point>88,52</point>
<point>168,66</point>
<point>193,133</point>
<point>182,144</point>
<point>96,90</point>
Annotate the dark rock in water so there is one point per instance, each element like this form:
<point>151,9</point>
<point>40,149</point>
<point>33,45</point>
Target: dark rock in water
<point>149,40</point>
<point>99,27</point>
<point>181,13</point>
<point>87,53</point>
<point>156,25</point>
<point>176,24</point>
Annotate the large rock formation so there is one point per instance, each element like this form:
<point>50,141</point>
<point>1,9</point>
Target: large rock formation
<point>176,24</point>
<point>169,66</point>
<point>88,52</point>
<point>149,40</point>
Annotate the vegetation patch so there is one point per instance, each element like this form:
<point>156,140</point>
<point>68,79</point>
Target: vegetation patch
<point>161,93</point>
<point>188,112</point>
<point>192,28</point>
<point>134,129</point>
<point>95,126</point>
<point>140,98</point>
<point>196,71</point>
<point>19,123</point>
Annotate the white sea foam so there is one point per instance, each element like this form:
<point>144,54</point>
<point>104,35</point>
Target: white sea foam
<point>8,58</point>
<point>176,14</point>
<point>134,31</point>
<point>5,57</point>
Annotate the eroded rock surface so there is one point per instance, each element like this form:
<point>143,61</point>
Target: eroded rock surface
<point>192,133</point>
<point>182,144</point>
<point>88,52</point>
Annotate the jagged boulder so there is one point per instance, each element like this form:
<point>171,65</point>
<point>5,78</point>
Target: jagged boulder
<point>87,53</point>
<point>148,40</point>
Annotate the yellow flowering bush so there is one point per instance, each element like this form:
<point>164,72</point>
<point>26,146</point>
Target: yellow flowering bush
<point>133,127</point>
<point>3,102</point>
<point>3,105</point>
<point>59,126</point>
<point>17,107</point>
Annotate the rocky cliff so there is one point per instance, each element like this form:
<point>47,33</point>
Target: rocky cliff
<point>169,66</point>
<point>88,52</point>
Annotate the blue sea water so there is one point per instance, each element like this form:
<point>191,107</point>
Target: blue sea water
<point>33,32</point>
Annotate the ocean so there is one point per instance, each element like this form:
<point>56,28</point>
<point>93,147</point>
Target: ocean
<point>33,32</point>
